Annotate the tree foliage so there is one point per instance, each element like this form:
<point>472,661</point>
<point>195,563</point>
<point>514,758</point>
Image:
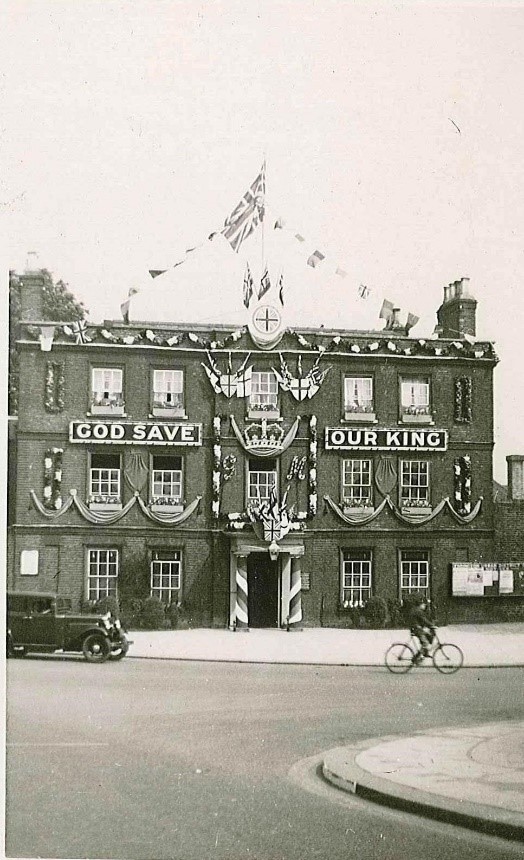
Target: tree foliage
<point>59,305</point>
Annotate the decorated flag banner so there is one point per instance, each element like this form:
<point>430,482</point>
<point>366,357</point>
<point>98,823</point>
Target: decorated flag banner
<point>265,283</point>
<point>248,286</point>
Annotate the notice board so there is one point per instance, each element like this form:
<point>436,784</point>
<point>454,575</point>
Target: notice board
<point>487,579</point>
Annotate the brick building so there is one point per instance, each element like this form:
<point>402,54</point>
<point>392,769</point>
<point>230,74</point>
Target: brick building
<point>260,475</point>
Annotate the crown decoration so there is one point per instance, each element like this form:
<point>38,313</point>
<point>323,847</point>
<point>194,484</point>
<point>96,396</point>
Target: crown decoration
<point>263,436</point>
<point>301,386</point>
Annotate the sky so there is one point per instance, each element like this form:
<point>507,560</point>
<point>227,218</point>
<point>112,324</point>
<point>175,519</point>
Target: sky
<point>393,136</point>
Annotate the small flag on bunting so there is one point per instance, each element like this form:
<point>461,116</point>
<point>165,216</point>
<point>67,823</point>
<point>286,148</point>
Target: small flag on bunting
<point>248,286</point>
<point>411,321</point>
<point>315,258</point>
<point>363,291</point>
<point>386,311</point>
<point>281,289</point>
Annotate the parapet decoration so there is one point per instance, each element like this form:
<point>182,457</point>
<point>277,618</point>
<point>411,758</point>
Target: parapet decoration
<point>109,517</point>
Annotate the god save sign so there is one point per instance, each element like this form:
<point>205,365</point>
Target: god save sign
<point>134,433</point>
<point>359,439</point>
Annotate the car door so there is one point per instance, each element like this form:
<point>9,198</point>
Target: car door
<point>41,623</point>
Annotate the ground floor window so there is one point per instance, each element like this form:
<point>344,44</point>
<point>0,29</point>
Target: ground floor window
<point>356,576</point>
<point>414,572</point>
<point>166,576</point>
<point>102,573</point>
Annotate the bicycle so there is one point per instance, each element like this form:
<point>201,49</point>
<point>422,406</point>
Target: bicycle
<point>403,656</point>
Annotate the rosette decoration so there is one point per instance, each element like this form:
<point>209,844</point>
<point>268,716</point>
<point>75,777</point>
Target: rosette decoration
<point>53,479</point>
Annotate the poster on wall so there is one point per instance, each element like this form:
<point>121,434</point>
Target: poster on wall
<point>476,579</point>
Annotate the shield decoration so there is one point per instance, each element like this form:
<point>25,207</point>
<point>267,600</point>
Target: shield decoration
<point>228,384</point>
<point>299,388</point>
<point>272,530</point>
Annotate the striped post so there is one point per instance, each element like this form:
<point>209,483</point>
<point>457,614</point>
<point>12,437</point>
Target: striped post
<point>241,616</point>
<point>295,592</point>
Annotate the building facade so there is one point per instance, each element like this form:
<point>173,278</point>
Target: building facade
<point>259,476</point>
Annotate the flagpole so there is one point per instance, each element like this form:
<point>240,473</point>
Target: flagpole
<point>264,211</point>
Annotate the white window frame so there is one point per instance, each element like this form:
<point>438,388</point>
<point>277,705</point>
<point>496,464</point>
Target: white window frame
<point>356,484</point>
<point>108,476</point>
<point>356,576</point>
<point>104,582</point>
<point>107,387</point>
<point>168,389</point>
<point>167,479</point>
<point>414,572</point>
<point>358,394</point>
<point>415,395</point>
<point>264,391</point>
<point>166,570</point>
<point>266,486</point>
<point>414,483</point>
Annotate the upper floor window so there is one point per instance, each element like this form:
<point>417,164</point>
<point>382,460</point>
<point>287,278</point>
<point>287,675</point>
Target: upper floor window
<point>415,404</point>
<point>356,483</point>
<point>414,484</point>
<point>414,572</point>
<point>102,573</point>
<point>264,392</point>
<point>168,392</point>
<point>358,398</point>
<point>166,484</point>
<point>104,480</point>
<point>262,476</point>
<point>107,394</point>
<point>166,576</point>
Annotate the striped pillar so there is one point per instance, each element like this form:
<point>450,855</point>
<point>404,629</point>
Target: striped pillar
<point>241,616</point>
<point>295,592</point>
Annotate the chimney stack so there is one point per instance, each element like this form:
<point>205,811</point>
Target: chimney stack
<point>457,314</point>
<point>31,290</point>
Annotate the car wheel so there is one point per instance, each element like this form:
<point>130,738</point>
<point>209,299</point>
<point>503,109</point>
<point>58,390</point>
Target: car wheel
<point>121,652</point>
<point>96,648</point>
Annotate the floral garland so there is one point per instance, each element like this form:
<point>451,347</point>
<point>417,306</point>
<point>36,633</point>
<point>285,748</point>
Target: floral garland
<point>462,470</point>
<point>463,400</point>
<point>217,458</point>
<point>54,387</point>
<point>312,480</point>
<point>53,478</point>
<point>297,469</point>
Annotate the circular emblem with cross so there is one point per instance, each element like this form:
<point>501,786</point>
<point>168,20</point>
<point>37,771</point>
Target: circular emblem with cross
<point>266,319</point>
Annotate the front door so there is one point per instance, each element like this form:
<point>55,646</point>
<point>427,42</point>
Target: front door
<point>262,590</point>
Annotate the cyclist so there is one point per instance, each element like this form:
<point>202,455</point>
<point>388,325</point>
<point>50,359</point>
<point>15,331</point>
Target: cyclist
<point>422,627</point>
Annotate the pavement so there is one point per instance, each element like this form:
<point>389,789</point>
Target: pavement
<point>472,776</point>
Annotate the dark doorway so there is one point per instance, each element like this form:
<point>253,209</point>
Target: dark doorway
<point>262,590</point>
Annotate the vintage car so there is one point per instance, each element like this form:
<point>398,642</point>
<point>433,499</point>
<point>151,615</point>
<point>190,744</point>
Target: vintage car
<point>43,622</point>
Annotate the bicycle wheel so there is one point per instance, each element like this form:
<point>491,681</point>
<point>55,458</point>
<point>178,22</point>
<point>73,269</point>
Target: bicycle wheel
<point>447,658</point>
<point>399,658</point>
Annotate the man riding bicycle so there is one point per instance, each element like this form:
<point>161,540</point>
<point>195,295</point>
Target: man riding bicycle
<point>422,627</point>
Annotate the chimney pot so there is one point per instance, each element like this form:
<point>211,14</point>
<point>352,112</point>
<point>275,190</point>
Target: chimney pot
<point>465,286</point>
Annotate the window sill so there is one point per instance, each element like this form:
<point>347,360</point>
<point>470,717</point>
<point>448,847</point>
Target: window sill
<point>100,506</point>
<point>171,509</point>
<point>264,413</point>
<point>175,412</point>
<point>361,417</point>
<point>358,509</point>
<point>107,410</point>
<point>416,419</point>
<point>423,512</point>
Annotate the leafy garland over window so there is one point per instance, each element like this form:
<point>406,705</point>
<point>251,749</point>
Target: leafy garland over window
<point>217,456</point>
<point>53,479</point>
<point>54,387</point>
<point>462,470</point>
<point>463,400</point>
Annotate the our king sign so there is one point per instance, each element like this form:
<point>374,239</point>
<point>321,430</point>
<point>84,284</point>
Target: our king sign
<point>359,439</point>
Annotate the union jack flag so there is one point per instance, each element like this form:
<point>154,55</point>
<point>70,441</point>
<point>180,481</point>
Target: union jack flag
<point>79,330</point>
<point>248,213</point>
